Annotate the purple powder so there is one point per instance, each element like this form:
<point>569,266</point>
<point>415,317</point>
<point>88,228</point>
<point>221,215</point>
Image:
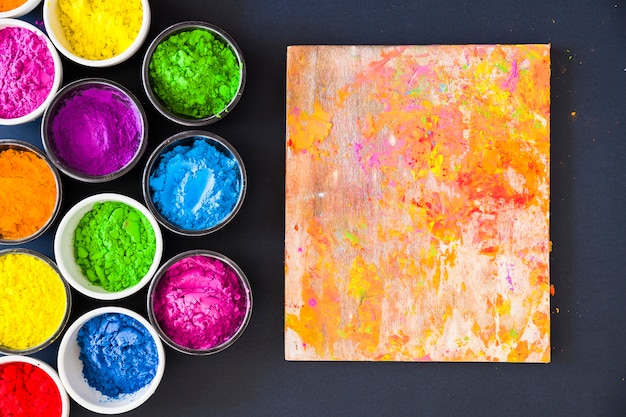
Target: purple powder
<point>95,129</point>
<point>26,71</point>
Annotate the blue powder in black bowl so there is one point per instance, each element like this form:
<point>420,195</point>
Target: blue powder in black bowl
<point>197,186</point>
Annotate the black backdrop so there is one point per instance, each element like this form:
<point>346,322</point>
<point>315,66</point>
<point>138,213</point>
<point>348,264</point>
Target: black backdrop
<point>587,376</point>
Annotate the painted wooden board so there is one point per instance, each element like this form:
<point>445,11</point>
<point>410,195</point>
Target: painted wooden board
<point>417,203</point>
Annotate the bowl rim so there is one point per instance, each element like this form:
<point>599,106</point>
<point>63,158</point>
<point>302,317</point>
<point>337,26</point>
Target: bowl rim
<point>180,138</point>
<point>20,10</point>
<point>50,371</point>
<point>16,143</point>
<point>69,337</point>
<point>183,27</point>
<point>58,71</point>
<point>134,47</point>
<point>60,96</point>
<point>68,302</point>
<point>61,234</point>
<point>243,279</point>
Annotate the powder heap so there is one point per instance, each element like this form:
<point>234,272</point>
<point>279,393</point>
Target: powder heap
<point>33,301</point>
<point>200,302</point>
<point>195,187</point>
<point>194,73</point>
<point>95,130</point>
<point>27,390</point>
<point>114,245</point>
<point>27,71</point>
<point>118,353</point>
<point>100,29</point>
<point>28,193</point>
<point>6,5</point>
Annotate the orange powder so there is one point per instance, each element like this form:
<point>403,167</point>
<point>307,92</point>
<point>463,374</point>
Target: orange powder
<point>6,5</point>
<point>28,193</point>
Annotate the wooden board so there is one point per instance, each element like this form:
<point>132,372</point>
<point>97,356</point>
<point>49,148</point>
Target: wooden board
<point>417,203</point>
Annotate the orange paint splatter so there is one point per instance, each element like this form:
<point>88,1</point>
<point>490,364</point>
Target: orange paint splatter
<point>308,129</point>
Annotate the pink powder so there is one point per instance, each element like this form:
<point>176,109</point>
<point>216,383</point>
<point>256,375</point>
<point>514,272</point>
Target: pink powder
<point>26,71</point>
<point>200,302</point>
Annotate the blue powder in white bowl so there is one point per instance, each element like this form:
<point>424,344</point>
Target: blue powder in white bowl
<point>111,360</point>
<point>119,354</point>
<point>195,183</point>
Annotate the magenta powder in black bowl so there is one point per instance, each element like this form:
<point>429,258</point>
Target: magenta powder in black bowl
<point>95,130</point>
<point>200,302</point>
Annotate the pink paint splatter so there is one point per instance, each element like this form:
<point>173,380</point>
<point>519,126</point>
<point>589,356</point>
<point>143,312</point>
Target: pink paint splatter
<point>511,82</point>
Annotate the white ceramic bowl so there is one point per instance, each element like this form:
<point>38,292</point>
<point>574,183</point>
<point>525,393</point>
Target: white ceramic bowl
<point>55,31</point>
<point>20,10</point>
<point>71,368</point>
<point>58,73</point>
<point>65,400</point>
<point>64,248</point>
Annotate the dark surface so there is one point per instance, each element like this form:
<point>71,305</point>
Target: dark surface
<point>588,262</point>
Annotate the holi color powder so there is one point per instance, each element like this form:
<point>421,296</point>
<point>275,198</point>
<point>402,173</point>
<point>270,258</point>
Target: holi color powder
<point>27,70</point>
<point>195,73</point>
<point>26,390</point>
<point>29,193</point>
<point>417,203</point>
<point>196,185</point>
<point>119,354</point>
<point>200,303</point>
<point>100,29</point>
<point>114,245</point>
<point>6,5</point>
<point>33,302</point>
<point>93,129</point>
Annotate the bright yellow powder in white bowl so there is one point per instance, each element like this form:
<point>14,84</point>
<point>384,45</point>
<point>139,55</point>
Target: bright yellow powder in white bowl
<point>33,302</point>
<point>100,29</point>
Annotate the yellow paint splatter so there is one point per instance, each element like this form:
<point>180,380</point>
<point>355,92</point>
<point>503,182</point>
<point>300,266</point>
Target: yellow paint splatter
<point>503,307</point>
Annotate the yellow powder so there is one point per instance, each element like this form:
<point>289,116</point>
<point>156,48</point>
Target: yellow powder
<point>100,29</point>
<point>32,301</point>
